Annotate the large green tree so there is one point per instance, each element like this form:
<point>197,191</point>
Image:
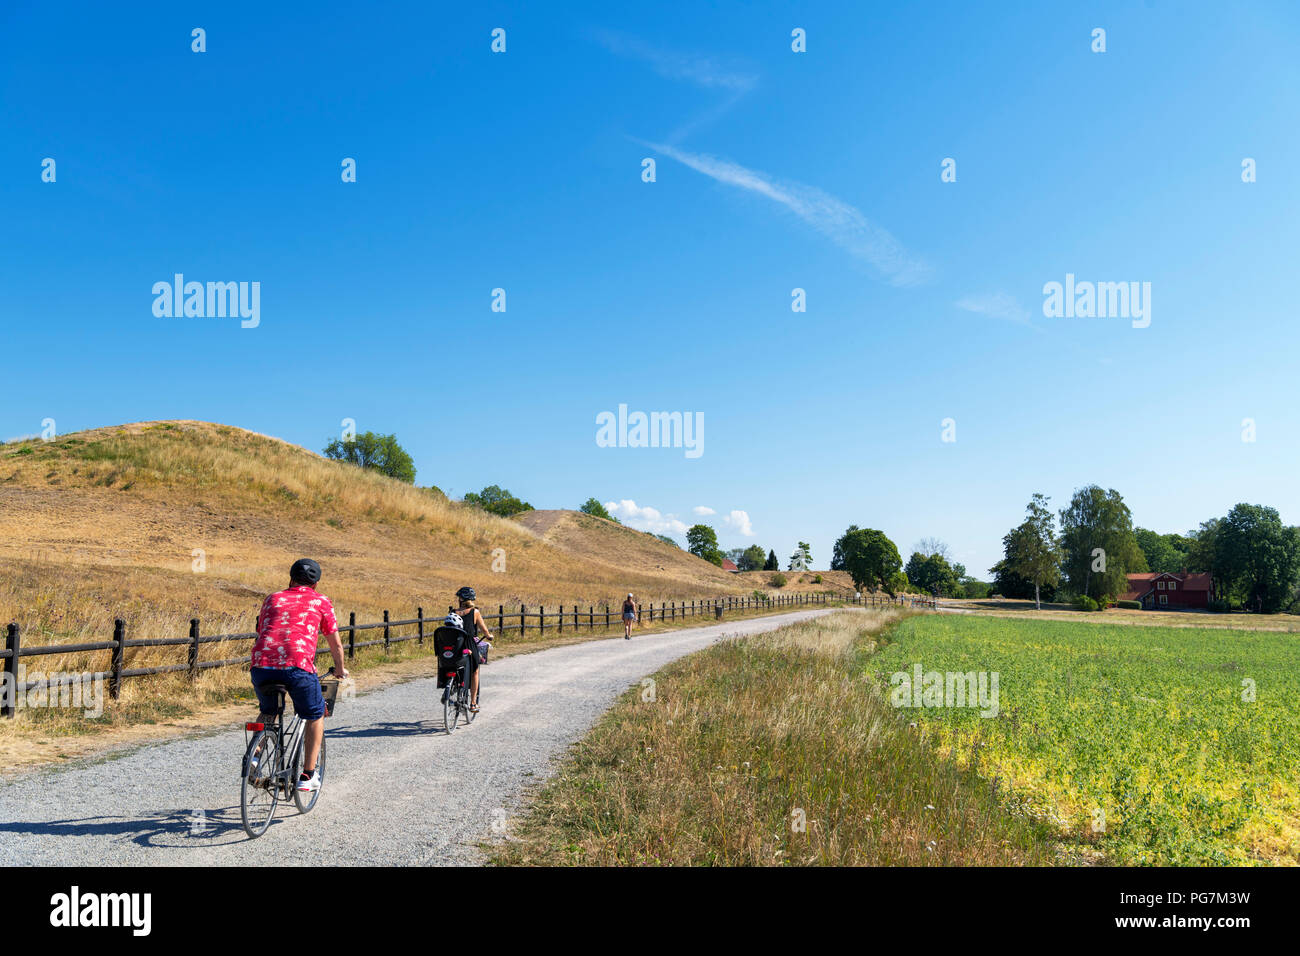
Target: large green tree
<point>702,541</point>
<point>871,559</point>
<point>772,564</point>
<point>379,453</point>
<point>752,558</point>
<point>1099,546</point>
<point>1032,550</point>
<point>933,575</point>
<point>837,555</point>
<point>1163,552</point>
<point>498,501</point>
<point>1257,558</point>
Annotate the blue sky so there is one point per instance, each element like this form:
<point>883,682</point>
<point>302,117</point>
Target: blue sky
<point>776,170</point>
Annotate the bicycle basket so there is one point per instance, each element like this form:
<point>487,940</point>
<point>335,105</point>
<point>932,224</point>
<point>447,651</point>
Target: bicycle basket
<point>329,689</point>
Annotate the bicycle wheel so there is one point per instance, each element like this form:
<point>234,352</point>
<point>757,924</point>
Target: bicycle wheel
<point>450,705</point>
<point>259,790</point>
<point>306,801</point>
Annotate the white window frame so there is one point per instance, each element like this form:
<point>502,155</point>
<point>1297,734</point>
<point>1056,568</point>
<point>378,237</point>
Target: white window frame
<point>1173,585</point>
<point>1164,599</point>
<point>1160,585</point>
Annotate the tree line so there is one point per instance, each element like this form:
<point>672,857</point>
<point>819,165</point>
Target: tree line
<point>1252,557</point>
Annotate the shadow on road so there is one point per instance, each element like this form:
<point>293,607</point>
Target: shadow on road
<point>392,729</point>
<point>195,828</point>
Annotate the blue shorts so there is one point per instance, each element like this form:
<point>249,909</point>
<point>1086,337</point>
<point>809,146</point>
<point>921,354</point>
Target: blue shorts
<point>304,690</point>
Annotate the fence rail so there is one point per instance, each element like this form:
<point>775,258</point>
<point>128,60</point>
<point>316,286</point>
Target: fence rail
<point>537,620</point>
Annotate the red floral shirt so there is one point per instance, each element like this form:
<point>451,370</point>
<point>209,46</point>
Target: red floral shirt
<point>288,628</point>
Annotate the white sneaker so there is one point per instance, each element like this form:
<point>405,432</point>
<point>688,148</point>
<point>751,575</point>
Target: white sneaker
<point>311,783</point>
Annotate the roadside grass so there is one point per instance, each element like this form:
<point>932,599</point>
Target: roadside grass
<point>772,750</point>
<point>1143,742</point>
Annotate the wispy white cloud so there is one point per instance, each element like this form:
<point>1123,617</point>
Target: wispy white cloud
<point>997,305</point>
<point>694,68</point>
<point>645,518</point>
<point>832,217</point>
<point>703,510</point>
<point>739,522</point>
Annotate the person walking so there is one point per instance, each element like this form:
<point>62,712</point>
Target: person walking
<point>629,615</point>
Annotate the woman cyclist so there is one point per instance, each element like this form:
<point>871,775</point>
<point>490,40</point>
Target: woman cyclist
<point>474,625</point>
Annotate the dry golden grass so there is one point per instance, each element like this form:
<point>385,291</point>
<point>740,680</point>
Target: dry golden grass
<point>836,582</point>
<point>749,737</point>
<point>1288,623</point>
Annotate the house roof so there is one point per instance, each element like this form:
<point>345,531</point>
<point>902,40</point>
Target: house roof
<point>729,565</point>
<point>1140,584</point>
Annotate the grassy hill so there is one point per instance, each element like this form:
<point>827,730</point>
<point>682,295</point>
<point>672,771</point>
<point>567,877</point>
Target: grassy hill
<point>104,523</point>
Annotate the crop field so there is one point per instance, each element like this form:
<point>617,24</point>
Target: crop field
<point>1140,745</point>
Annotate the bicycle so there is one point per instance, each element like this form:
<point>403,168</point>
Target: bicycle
<point>457,654</point>
<point>268,776</point>
<point>455,698</point>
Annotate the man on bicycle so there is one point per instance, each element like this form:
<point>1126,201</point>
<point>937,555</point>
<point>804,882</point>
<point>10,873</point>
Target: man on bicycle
<point>288,627</point>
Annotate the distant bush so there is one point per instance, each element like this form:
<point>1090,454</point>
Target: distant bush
<point>817,579</point>
<point>1085,603</point>
<point>1129,605</point>
<point>761,596</point>
<point>381,453</point>
<point>593,507</point>
<point>498,501</point>
<point>1219,606</point>
<point>777,580</point>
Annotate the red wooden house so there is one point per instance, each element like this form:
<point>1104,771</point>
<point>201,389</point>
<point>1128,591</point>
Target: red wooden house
<point>1161,590</point>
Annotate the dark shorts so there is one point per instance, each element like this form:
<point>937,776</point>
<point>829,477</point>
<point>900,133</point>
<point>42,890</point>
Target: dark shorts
<point>304,690</point>
<point>629,616</point>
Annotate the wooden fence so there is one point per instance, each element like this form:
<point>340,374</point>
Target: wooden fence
<point>507,622</point>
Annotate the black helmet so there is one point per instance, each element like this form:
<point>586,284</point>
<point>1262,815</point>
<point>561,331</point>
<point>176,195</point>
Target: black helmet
<point>304,571</point>
<point>466,593</point>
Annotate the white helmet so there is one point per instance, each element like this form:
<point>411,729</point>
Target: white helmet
<point>454,620</point>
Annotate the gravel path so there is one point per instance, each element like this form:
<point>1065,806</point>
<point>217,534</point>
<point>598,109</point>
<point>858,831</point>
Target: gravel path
<point>398,790</point>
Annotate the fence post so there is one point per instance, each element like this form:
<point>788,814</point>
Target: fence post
<point>419,616</point>
<point>385,632</point>
<point>119,652</point>
<point>194,648</point>
<point>591,617</point>
<point>501,617</point>
<point>522,609</point>
<point>352,635</point>
<point>607,617</point>
<point>13,644</point>
<point>560,617</point>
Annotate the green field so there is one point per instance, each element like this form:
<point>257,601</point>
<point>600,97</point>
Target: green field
<point>1140,744</point>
